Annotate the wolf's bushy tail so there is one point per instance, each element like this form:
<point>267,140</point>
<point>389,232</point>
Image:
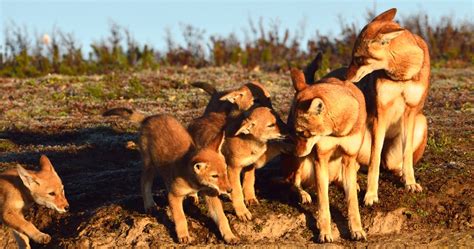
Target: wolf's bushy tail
<point>312,67</point>
<point>126,113</point>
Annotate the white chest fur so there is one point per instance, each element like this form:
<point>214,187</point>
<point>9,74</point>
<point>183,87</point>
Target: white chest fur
<point>253,156</point>
<point>388,91</point>
<point>413,93</point>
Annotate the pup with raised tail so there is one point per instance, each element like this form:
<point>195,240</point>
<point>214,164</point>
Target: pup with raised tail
<point>167,149</point>
<point>333,133</point>
<point>400,63</point>
<point>21,188</point>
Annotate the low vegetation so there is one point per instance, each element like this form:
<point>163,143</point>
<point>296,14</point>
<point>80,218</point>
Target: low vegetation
<point>100,166</point>
<point>266,47</point>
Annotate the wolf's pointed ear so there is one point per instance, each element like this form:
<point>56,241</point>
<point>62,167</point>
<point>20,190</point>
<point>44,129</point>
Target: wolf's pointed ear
<point>28,179</point>
<point>317,106</point>
<point>199,167</point>
<point>45,164</point>
<point>297,77</point>
<point>386,36</point>
<point>218,142</point>
<point>246,128</point>
<point>232,97</point>
<point>387,15</point>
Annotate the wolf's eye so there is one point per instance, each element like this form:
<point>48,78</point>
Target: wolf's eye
<point>359,60</point>
<point>271,125</point>
<point>215,176</point>
<point>52,193</point>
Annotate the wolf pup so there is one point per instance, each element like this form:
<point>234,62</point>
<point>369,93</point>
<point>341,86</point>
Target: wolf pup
<point>401,63</point>
<point>19,189</point>
<point>168,150</point>
<point>250,143</point>
<point>235,102</point>
<point>225,106</point>
<point>329,123</point>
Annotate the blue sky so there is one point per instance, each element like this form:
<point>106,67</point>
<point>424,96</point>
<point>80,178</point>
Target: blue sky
<point>89,20</point>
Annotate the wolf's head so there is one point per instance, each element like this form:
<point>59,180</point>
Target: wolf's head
<point>210,167</point>
<point>45,186</point>
<point>263,124</point>
<point>324,109</point>
<point>384,45</point>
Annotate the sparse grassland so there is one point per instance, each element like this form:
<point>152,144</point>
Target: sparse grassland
<point>61,117</point>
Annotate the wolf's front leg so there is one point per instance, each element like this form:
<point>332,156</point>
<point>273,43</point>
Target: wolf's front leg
<point>237,196</point>
<point>179,218</point>
<point>350,189</point>
<point>322,186</point>
<point>15,220</point>
<point>216,212</point>
<point>408,172</point>
<point>249,186</point>
<point>378,134</point>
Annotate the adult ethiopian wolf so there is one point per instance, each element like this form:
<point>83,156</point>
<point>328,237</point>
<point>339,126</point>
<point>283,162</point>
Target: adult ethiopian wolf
<point>399,63</point>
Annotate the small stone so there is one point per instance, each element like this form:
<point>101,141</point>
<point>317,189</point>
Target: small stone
<point>440,209</point>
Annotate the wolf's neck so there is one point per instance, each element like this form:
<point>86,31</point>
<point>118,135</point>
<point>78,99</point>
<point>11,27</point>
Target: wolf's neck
<point>409,56</point>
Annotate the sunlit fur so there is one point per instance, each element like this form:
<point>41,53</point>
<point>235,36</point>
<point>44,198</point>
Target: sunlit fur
<point>19,189</point>
<point>392,66</point>
<point>329,127</point>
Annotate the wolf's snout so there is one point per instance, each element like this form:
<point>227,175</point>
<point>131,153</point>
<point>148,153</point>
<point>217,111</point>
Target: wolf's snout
<point>66,208</point>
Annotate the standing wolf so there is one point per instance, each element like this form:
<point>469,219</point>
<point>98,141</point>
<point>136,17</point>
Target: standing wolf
<point>329,122</point>
<point>400,64</point>
<point>168,150</point>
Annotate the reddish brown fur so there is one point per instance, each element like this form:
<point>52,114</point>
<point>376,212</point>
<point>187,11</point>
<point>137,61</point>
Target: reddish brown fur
<point>167,149</point>
<point>20,189</point>
<point>331,116</point>
<point>398,93</point>
<point>234,102</point>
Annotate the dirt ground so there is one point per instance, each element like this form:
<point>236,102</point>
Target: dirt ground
<point>61,117</point>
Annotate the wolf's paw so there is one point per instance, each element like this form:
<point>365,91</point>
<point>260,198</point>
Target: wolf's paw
<point>252,201</point>
<point>413,188</point>
<point>370,199</point>
<point>185,239</point>
<point>358,235</point>
<point>305,198</point>
<point>325,237</point>
<point>244,214</point>
<point>231,239</point>
<point>42,238</point>
<point>150,208</point>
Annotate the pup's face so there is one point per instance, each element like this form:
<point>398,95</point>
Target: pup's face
<point>249,95</point>
<point>45,186</point>
<point>263,124</point>
<point>210,168</point>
